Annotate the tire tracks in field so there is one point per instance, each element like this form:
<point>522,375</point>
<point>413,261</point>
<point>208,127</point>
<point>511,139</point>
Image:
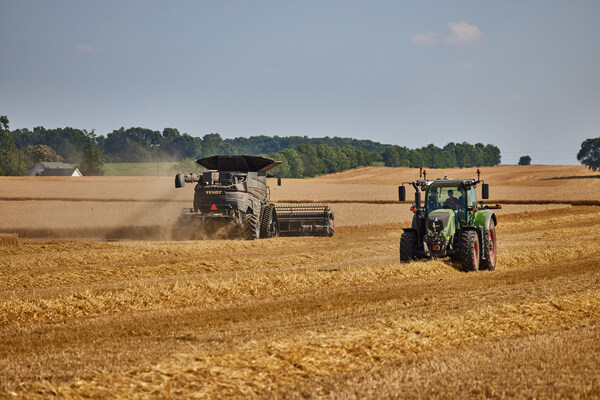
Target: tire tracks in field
<point>227,327</point>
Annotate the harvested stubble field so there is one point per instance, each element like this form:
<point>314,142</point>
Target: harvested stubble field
<point>292,317</point>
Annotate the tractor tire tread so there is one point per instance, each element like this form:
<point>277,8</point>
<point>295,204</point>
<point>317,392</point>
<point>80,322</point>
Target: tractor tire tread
<point>408,244</point>
<point>468,240</point>
<point>487,263</point>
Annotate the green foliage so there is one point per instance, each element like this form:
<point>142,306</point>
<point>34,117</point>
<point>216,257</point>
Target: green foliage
<point>92,158</point>
<point>41,152</point>
<point>390,157</point>
<point>313,165</point>
<point>186,165</point>
<point>589,154</point>
<point>12,160</point>
<point>294,160</point>
<point>131,145</point>
<point>301,156</point>
<point>525,160</point>
<point>450,156</point>
<point>69,143</point>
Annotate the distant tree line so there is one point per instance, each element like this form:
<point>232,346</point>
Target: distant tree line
<point>301,156</point>
<point>452,155</point>
<point>21,149</point>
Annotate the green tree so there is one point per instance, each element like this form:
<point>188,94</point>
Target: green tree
<point>328,156</point>
<point>417,160</point>
<point>525,160</point>
<point>343,163</point>
<point>211,144</point>
<point>390,157</point>
<point>41,152</point>
<point>283,169</point>
<point>92,163</point>
<point>294,159</point>
<point>589,154</point>
<point>492,155</point>
<point>313,165</point>
<point>12,160</point>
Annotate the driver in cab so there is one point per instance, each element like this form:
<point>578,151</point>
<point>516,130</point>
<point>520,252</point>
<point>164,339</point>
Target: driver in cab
<point>451,202</point>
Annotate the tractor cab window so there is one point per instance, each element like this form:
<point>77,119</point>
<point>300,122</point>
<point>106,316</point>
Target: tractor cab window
<point>472,197</point>
<point>448,196</point>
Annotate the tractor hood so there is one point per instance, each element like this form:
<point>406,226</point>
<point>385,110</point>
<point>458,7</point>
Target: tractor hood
<point>441,221</point>
<point>238,163</point>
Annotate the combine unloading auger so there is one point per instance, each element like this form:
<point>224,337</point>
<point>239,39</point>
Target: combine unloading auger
<point>232,199</point>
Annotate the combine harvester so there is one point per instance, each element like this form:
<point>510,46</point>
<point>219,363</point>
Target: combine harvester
<point>233,198</point>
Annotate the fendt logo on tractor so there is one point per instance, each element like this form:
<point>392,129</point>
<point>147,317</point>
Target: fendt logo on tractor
<point>232,197</point>
<point>447,225</point>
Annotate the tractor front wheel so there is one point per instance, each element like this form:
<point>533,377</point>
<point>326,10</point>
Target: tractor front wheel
<point>470,251</point>
<point>491,252</point>
<point>408,246</point>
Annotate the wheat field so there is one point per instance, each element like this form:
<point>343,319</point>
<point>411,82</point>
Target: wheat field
<point>97,301</point>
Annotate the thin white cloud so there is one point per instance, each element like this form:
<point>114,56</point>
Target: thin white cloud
<point>461,33</point>
<point>427,39</point>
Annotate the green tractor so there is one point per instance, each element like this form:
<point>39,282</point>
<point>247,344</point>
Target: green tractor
<point>450,223</point>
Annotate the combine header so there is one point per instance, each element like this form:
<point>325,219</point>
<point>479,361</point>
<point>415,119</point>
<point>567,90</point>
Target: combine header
<point>305,220</point>
<point>233,198</point>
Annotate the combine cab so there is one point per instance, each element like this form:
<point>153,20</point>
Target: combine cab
<point>232,199</point>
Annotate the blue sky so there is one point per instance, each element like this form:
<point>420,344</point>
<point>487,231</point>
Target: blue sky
<point>524,75</point>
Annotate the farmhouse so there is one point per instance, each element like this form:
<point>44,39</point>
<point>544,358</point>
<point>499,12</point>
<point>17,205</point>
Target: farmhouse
<point>53,169</point>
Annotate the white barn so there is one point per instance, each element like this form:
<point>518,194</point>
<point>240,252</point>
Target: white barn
<point>53,169</point>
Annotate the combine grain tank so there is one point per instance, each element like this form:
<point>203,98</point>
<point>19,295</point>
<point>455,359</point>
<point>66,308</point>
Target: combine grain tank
<point>233,198</point>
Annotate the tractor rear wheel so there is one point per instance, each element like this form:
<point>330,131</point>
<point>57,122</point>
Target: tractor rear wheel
<point>408,246</point>
<point>470,251</point>
<point>251,226</point>
<point>491,251</point>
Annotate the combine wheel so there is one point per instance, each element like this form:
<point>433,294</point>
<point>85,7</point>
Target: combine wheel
<point>469,251</point>
<point>268,222</point>
<point>491,251</point>
<point>408,246</point>
<point>251,226</point>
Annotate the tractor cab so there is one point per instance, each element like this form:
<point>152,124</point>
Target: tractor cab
<point>455,195</point>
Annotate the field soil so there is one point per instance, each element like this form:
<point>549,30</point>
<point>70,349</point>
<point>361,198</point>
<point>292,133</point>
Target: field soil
<point>142,316</point>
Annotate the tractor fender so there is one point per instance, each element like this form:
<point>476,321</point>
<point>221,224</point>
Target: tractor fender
<point>485,218</point>
<point>418,221</point>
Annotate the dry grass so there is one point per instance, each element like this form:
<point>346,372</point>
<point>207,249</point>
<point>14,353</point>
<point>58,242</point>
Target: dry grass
<point>293,317</point>
<point>9,240</point>
<point>259,368</point>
